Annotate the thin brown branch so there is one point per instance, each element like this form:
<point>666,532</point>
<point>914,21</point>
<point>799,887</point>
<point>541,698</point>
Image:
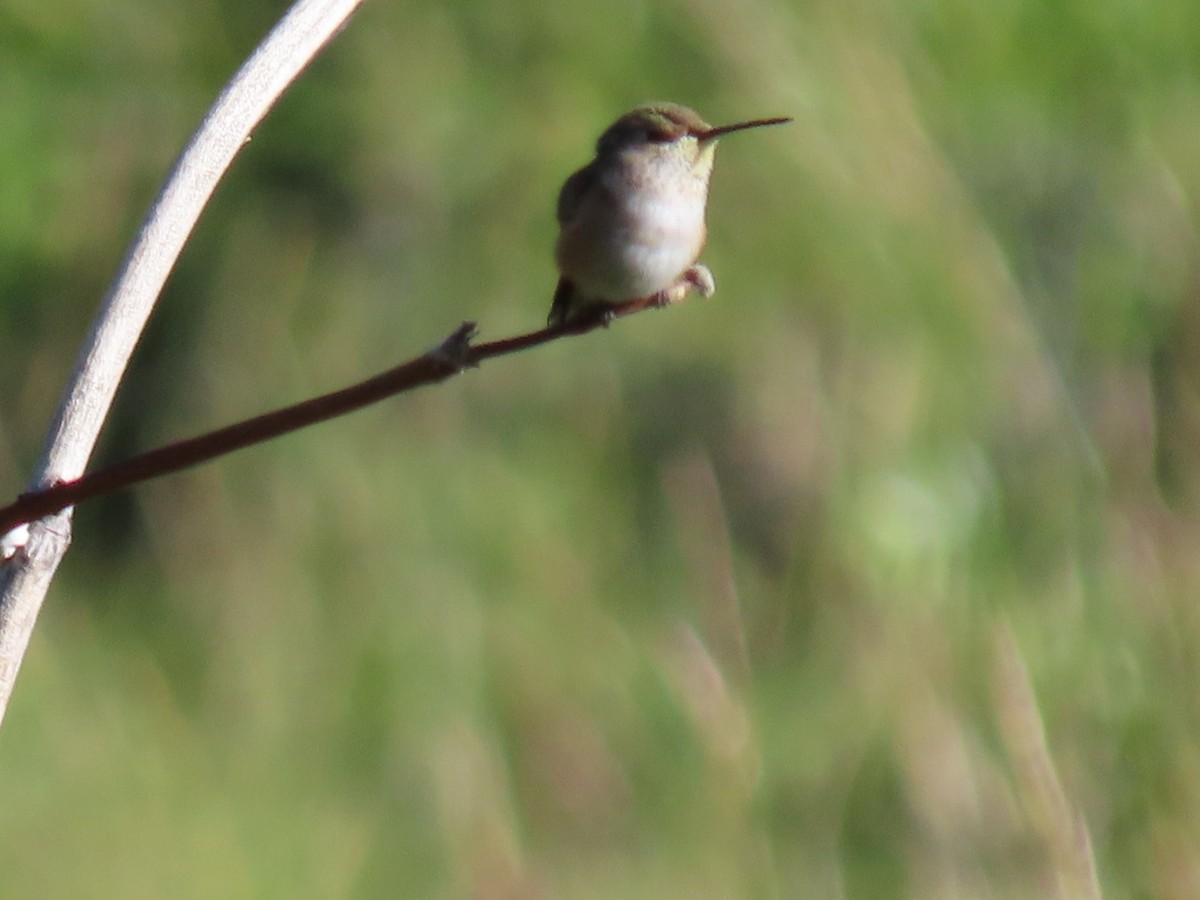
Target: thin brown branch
<point>449,358</point>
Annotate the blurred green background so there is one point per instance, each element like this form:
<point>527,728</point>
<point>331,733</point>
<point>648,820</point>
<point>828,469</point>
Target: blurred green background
<point>874,576</point>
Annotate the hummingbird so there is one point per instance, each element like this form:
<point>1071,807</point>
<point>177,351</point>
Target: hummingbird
<point>631,222</point>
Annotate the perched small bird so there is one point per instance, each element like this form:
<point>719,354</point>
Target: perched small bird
<point>631,222</point>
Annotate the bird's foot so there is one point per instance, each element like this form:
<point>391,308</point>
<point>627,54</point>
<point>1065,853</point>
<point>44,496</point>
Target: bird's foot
<point>598,313</point>
<point>696,277</point>
<point>700,278</point>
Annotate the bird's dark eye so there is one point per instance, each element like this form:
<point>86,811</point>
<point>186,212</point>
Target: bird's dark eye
<point>616,138</point>
<point>659,135</point>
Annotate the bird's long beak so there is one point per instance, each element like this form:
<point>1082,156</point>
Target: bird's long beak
<point>713,133</point>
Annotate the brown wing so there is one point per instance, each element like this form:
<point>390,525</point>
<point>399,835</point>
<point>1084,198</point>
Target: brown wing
<point>573,189</point>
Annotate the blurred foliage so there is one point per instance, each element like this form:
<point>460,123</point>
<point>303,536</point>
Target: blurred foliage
<point>874,576</point>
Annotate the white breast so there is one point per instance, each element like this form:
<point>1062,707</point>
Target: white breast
<point>633,240</point>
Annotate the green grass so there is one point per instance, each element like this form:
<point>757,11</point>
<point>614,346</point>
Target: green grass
<point>873,576</point>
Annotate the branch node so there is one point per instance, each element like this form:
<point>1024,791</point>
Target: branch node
<point>455,350</point>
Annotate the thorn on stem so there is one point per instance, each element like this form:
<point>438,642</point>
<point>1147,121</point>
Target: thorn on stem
<point>455,350</point>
